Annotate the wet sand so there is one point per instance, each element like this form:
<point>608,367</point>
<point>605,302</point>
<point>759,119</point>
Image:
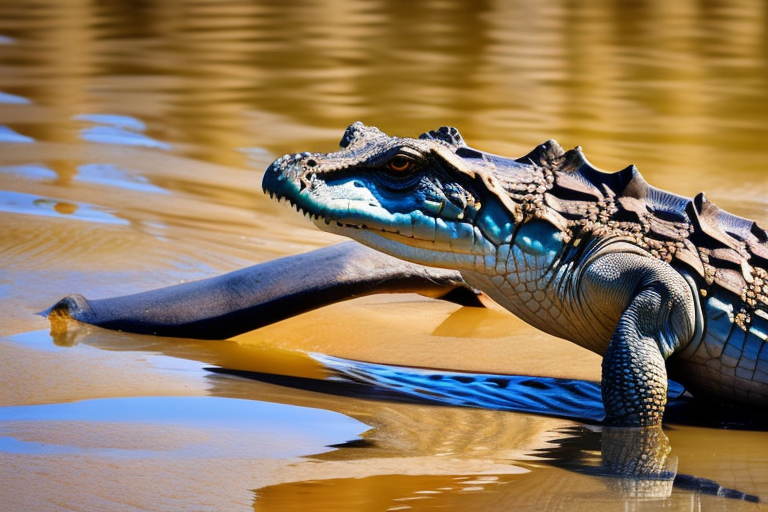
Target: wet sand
<point>166,189</point>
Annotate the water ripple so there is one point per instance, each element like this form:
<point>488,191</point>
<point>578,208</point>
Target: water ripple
<point>114,176</point>
<point>30,171</point>
<point>13,99</point>
<point>9,135</point>
<point>116,135</point>
<point>118,121</point>
<point>566,398</point>
<point>30,204</point>
<point>302,430</point>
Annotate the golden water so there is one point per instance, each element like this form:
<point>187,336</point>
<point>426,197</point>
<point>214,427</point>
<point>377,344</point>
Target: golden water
<point>211,93</point>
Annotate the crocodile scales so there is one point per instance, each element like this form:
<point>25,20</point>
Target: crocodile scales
<point>648,279</point>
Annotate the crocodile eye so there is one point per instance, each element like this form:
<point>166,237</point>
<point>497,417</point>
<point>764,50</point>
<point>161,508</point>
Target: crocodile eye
<point>400,164</point>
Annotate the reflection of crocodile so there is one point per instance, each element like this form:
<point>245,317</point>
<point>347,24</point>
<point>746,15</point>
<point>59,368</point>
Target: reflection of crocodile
<point>621,268</point>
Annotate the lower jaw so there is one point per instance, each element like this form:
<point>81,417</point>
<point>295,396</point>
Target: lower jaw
<point>424,252</point>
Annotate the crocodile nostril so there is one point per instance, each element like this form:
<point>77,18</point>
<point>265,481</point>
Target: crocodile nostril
<point>311,162</point>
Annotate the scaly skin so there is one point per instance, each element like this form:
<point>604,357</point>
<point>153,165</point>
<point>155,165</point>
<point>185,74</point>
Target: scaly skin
<point>638,275</point>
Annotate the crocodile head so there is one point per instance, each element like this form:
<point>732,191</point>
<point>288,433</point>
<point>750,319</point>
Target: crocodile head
<point>431,200</point>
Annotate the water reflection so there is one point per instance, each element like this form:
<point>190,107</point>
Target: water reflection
<point>565,398</point>
<point>677,87</point>
<point>576,450</point>
<point>587,450</point>
<point>665,82</point>
<point>277,428</point>
<point>9,135</point>
<point>120,135</point>
<point>390,493</point>
<point>635,464</point>
<point>117,121</point>
<point>30,172</point>
<point>114,176</point>
<point>13,99</point>
<point>488,492</point>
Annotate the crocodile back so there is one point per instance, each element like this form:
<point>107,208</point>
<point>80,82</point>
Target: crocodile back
<point>726,255</point>
<point>723,252</point>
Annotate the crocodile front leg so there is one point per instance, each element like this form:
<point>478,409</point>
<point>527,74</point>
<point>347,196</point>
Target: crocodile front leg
<point>654,313</point>
<point>634,380</point>
<point>658,317</point>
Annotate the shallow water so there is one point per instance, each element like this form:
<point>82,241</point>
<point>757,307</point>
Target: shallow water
<point>133,138</point>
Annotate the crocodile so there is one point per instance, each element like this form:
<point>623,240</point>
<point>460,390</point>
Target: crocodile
<point>661,286</point>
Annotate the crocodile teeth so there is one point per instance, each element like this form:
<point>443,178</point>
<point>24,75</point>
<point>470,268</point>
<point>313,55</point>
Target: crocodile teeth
<point>433,207</point>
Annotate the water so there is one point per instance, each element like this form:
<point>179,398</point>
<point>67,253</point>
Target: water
<point>133,137</point>
<point>252,422</point>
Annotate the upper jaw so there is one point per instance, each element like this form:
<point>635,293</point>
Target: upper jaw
<point>282,176</point>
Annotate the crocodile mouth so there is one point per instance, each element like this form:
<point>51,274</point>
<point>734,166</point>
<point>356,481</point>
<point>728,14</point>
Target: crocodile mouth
<point>411,227</point>
<point>413,236</point>
<point>425,233</point>
<point>353,231</point>
<point>425,252</point>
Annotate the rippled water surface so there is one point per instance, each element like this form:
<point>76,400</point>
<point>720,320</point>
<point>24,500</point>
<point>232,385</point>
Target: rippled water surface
<point>133,137</point>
